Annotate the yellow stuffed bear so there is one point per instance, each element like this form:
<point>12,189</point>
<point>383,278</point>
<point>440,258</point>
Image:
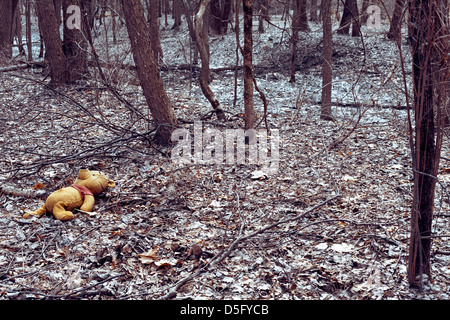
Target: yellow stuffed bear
<point>79,195</point>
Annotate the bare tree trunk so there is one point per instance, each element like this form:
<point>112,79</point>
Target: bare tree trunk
<point>429,39</point>
<point>313,11</point>
<point>28,30</point>
<point>337,15</point>
<point>18,29</point>
<point>188,14</point>
<point>176,12</point>
<point>325,112</point>
<point>75,45</point>
<point>263,14</point>
<point>52,39</point>
<point>303,16</point>
<point>7,10</point>
<point>204,57</point>
<point>350,16</point>
<point>58,8</point>
<point>248,65</point>
<point>114,24</point>
<point>294,40</point>
<point>147,70</point>
<point>153,20</point>
<point>396,21</point>
<point>364,14</point>
<point>220,16</point>
<point>166,12</point>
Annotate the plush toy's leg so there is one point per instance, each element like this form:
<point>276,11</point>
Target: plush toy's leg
<point>60,213</point>
<point>38,212</point>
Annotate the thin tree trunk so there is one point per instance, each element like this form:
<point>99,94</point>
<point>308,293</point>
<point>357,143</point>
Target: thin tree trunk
<point>364,13</point>
<point>428,38</point>
<point>294,40</point>
<point>18,29</point>
<point>204,57</point>
<point>325,112</point>
<point>188,14</point>
<point>299,23</point>
<point>114,25</point>
<point>147,70</point>
<point>28,30</point>
<point>263,14</point>
<point>153,20</point>
<point>226,14</point>
<point>303,18</point>
<point>176,12</point>
<point>313,11</point>
<point>248,65</point>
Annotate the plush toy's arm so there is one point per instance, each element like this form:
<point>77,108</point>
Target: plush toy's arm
<point>88,203</point>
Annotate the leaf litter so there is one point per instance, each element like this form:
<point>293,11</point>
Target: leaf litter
<point>198,231</point>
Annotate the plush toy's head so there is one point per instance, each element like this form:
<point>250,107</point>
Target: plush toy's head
<point>95,181</point>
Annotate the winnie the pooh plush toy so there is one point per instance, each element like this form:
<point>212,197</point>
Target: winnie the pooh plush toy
<point>79,195</point>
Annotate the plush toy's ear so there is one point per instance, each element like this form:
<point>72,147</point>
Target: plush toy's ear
<point>84,174</point>
<point>111,184</point>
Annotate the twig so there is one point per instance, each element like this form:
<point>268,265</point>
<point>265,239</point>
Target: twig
<point>342,139</point>
<point>241,238</point>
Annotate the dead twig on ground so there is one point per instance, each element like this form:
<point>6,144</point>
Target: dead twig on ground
<point>240,239</point>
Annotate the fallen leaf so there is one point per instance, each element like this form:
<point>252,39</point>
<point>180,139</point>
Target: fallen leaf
<point>38,186</point>
<point>166,263</point>
<point>342,247</point>
<point>149,256</point>
<point>259,175</point>
<point>194,252</point>
<point>348,178</point>
<point>215,204</point>
<point>322,246</point>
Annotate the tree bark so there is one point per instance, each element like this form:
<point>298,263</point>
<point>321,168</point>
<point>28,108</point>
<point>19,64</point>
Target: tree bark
<point>428,40</point>
<point>17,29</point>
<point>28,30</point>
<point>58,7</point>
<point>303,16</point>
<point>204,57</point>
<point>396,21</point>
<point>75,45</point>
<point>52,39</point>
<point>350,16</point>
<point>147,70</point>
<point>7,11</point>
<point>294,40</point>
<point>325,112</point>
<point>263,14</point>
<point>176,12</point>
<point>188,14</point>
<point>364,15</point>
<point>313,11</point>
<point>220,16</point>
<point>248,65</point>
<point>153,21</point>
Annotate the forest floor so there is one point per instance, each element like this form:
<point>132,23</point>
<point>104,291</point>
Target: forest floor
<point>207,231</point>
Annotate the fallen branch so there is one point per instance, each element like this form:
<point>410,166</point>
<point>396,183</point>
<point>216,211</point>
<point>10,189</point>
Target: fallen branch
<point>241,238</point>
<point>25,65</point>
